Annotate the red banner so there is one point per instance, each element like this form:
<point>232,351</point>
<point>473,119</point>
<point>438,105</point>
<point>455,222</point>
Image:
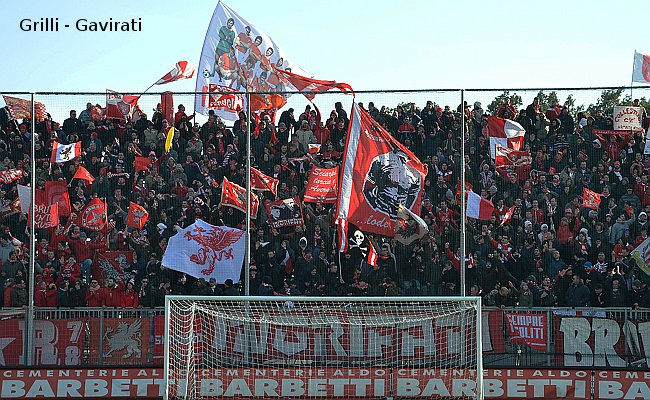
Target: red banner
<point>10,175</point>
<point>284,213</point>
<point>46,216</point>
<point>622,384</point>
<point>224,97</point>
<point>322,185</point>
<point>528,329</point>
<point>93,216</point>
<point>111,264</point>
<point>56,192</point>
<point>590,199</point>
<point>57,342</point>
<point>125,340</point>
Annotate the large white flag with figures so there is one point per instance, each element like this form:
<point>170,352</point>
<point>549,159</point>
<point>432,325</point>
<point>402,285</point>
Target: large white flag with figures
<point>642,257</point>
<point>237,56</point>
<point>205,251</point>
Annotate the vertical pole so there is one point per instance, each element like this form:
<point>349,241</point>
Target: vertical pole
<point>463,267</point>
<point>167,339</point>
<point>32,246</point>
<point>479,348</point>
<point>247,262</point>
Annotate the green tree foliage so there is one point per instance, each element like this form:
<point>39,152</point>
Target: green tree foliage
<point>500,100</point>
<point>608,99</point>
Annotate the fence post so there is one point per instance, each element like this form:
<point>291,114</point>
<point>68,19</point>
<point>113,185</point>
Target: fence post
<point>463,265</point>
<point>152,333</point>
<point>549,344</point>
<point>32,245</point>
<point>100,361</point>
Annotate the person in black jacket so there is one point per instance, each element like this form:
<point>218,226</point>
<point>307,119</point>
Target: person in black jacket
<point>578,295</point>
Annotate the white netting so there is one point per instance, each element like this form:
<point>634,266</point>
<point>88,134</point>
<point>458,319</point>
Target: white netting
<point>319,348</point>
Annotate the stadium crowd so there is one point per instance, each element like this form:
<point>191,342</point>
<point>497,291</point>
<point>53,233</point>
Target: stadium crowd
<point>553,252</point>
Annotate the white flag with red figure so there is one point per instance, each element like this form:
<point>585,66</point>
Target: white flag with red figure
<point>65,152</point>
<point>182,70</point>
<point>378,173</point>
<point>641,68</point>
<point>590,199</point>
<point>260,181</point>
<point>478,207</point>
<point>504,132</point>
<point>205,251</point>
<point>233,195</point>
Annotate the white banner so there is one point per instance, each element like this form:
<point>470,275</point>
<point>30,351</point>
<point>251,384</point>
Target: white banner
<point>237,56</point>
<point>205,251</point>
<point>627,118</point>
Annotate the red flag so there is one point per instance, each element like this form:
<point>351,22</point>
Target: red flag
<point>111,264</point>
<point>83,174</point>
<point>233,195</point>
<point>56,192</point>
<point>378,174</point>
<point>478,207</point>
<point>97,113</point>
<point>504,132</point>
<point>322,185</point>
<point>591,199</point>
<point>508,160</point>
<point>142,163</point>
<point>468,188</point>
<point>182,70</point>
<point>260,181</point>
<point>137,216</point>
<point>305,84</point>
<point>22,109</point>
<point>372,255</point>
<point>508,215</point>
<point>93,216</point>
<point>529,329</point>
<point>10,175</point>
<point>120,106</point>
<point>46,216</point>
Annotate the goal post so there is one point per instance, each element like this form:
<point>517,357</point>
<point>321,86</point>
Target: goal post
<point>323,347</point>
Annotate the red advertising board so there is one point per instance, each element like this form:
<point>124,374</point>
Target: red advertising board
<point>621,384</point>
<point>56,341</point>
<point>326,383</point>
<point>124,340</point>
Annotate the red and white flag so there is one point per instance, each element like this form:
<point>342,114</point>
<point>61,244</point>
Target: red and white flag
<point>65,152</point>
<point>313,148</point>
<point>354,241</point>
<point>504,132</point>
<point>305,84</point>
<point>468,188</point>
<point>205,251</point>
<point>508,215</point>
<point>137,216</point>
<point>10,175</point>
<point>46,216</point>
<point>120,106</point>
<point>508,160</point>
<point>260,181</point>
<point>322,185</point>
<point>233,195</point>
<point>182,70</point>
<point>409,227</point>
<point>94,216</point>
<point>378,175</point>
<point>590,199</point>
<point>641,68</point>
<point>56,192</point>
<point>478,207</point>
<point>83,174</point>
<point>22,109</point>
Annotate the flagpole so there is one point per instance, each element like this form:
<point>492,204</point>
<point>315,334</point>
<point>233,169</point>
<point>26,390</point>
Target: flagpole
<point>463,218</point>
<point>632,80</point>
<point>247,263</point>
<point>32,246</point>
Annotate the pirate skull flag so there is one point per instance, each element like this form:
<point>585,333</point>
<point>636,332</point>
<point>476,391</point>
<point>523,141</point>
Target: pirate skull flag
<point>354,241</point>
<point>378,174</point>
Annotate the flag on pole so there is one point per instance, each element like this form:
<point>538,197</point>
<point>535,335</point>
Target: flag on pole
<point>120,106</point>
<point>205,251</point>
<point>504,132</point>
<point>508,215</point>
<point>169,139</point>
<point>182,70</point>
<point>46,216</point>
<point>354,241</point>
<point>65,152</point>
<point>641,68</point>
<point>83,174</point>
<point>260,181</point>
<point>56,192</point>
<point>478,207</point>
<point>409,227</point>
<point>93,216</point>
<point>137,216</point>
<point>378,173</point>
<point>22,109</point>
<point>233,195</point>
<point>305,84</point>
<point>591,199</point>
<point>10,175</point>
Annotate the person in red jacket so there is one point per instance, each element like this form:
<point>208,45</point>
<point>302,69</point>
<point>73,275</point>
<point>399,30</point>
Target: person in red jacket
<point>40,295</point>
<point>51,293</point>
<point>113,293</point>
<point>94,294</point>
<point>130,297</point>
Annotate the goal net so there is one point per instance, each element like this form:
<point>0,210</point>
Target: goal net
<point>323,348</point>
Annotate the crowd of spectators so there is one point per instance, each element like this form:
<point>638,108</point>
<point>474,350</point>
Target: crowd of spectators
<point>553,252</point>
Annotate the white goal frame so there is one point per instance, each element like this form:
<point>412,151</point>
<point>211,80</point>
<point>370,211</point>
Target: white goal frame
<point>301,299</point>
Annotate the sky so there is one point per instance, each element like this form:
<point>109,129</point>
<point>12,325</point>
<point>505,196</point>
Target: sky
<point>370,45</point>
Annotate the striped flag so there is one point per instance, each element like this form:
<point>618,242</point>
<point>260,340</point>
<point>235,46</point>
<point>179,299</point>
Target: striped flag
<point>182,70</point>
<point>478,207</point>
<point>65,152</point>
<point>22,109</point>
<point>504,132</point>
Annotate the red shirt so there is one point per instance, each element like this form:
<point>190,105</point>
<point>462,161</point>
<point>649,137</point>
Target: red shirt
<point>95,298</point>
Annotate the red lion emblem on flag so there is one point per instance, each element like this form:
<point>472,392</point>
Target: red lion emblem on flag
<point>213,242</point>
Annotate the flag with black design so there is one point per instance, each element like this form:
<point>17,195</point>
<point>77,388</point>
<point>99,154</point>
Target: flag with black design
<point>354,241</point>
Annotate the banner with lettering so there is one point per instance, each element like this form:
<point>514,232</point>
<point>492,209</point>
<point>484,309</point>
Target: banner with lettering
<point>528,329</point>
<point>322,185</point>
<point>627,118</point>
<point>284,213</point>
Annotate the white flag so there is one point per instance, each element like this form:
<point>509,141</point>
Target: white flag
<point>409,226</point>
<point>25,196</point>
<point>65,152</point>
<point>205,251</point>
<point>641,68</point>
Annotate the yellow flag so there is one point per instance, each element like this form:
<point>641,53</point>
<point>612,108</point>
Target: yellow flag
<point>168,140</point>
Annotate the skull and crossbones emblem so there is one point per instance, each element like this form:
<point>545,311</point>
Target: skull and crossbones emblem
<point>357,240</point>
